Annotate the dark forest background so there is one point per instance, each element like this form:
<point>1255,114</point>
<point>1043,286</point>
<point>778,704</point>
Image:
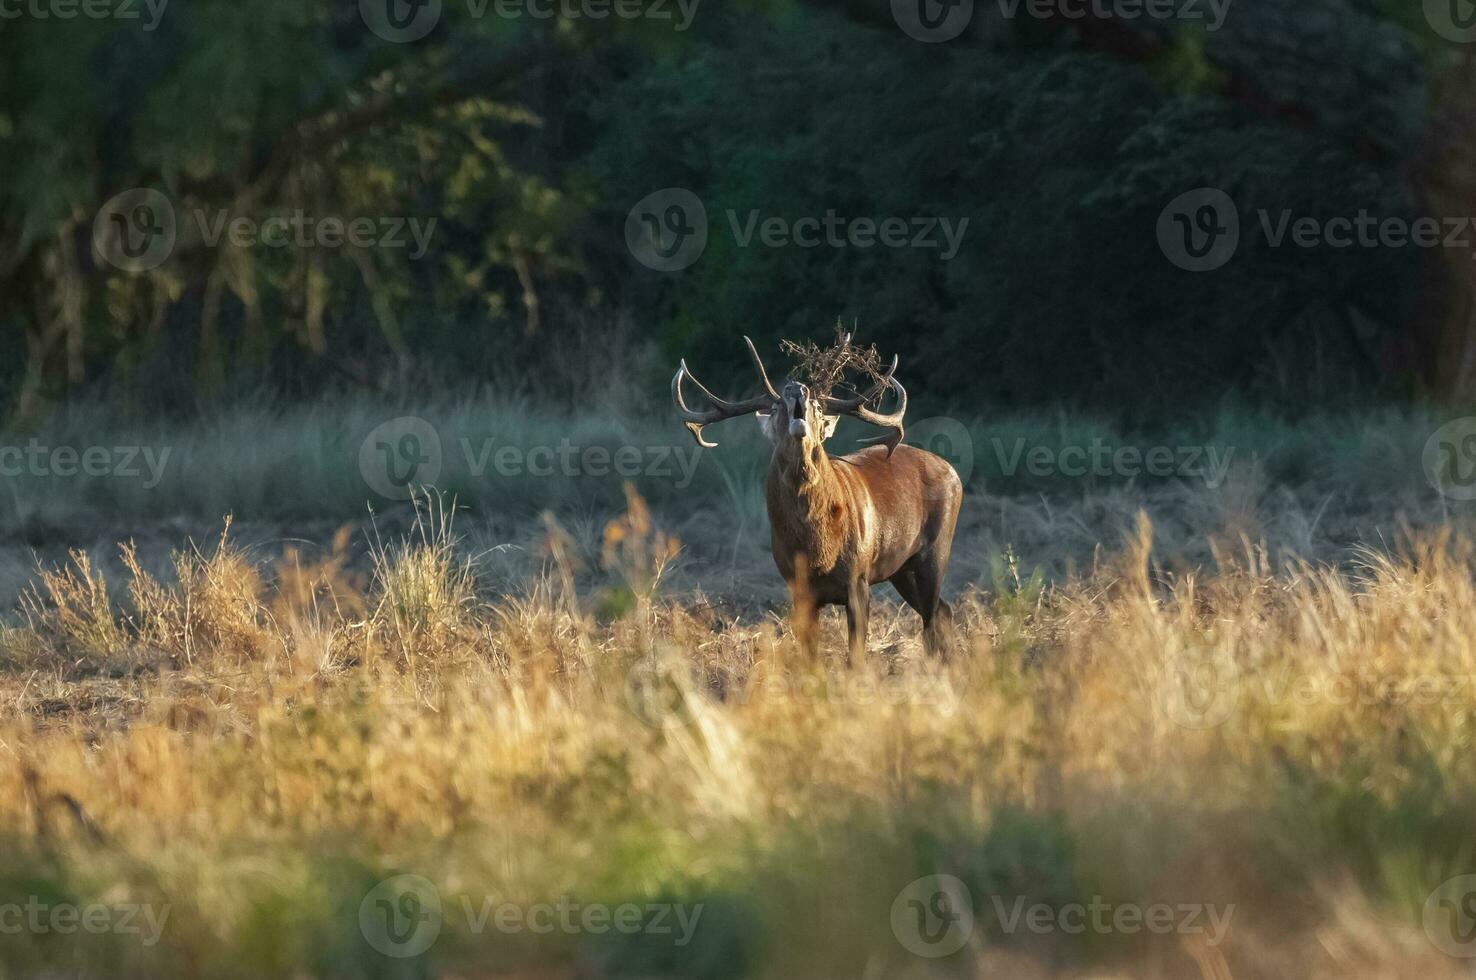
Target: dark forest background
<point>529,140</point>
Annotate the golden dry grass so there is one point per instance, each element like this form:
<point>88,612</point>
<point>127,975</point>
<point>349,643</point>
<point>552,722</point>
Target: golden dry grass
<point>254,748</point>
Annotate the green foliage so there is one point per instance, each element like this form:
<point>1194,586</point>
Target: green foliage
<point>1061,163</point>
<point>274,110</point>
<point>527,141</point>
<point>1184,66</point>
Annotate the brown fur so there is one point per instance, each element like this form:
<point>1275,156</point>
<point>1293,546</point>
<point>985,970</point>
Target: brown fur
<point>840,525</point>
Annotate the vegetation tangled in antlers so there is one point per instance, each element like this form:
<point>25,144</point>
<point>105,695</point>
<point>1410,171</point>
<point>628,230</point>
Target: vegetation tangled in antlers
<point>824,368</point>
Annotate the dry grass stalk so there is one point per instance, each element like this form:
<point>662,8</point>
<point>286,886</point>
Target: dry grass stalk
<point>824,369</point>
<point>1294,743</point>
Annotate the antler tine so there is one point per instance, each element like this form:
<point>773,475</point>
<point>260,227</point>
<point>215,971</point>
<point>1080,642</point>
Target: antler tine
<point>694,421</point>
<point>720,411</point>
<point>887,380</point>
<point>685,372</point>
<point>763,375</point>
<point>856,408</point>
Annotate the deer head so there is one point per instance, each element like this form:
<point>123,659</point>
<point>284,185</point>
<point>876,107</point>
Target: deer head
<point>794,420</point>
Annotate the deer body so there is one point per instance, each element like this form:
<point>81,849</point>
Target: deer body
<point>840,525</point>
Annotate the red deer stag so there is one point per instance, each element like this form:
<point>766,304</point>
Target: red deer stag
<point>842,524</point>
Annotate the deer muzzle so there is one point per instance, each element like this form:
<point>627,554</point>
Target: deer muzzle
<point>796,397</point>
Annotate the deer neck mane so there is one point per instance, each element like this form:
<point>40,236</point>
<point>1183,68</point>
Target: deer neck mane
<point>806,503</point>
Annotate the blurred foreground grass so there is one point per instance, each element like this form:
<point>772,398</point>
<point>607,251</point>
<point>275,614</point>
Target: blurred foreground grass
<point>305,770</point>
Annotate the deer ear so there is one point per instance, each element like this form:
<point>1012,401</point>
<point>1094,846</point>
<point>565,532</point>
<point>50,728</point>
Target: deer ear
<point>766,423</point>
<point>830,423</point>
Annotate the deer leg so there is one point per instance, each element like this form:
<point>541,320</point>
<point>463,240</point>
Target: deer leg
<point>943,630</point>
<point>858,608</point>
<point>937,615</point>
<point>906,587</point>
<point>805,620</point>
<point>936,565</point>
<point>928,607</point>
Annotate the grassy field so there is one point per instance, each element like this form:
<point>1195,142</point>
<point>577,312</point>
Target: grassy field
<point>1195,726</point>
<point>1054,489</point>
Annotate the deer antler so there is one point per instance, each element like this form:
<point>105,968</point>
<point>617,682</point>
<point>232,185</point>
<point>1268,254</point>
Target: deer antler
<point>721,410</point>
<point>764,375</point>
<point>856,408</point>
